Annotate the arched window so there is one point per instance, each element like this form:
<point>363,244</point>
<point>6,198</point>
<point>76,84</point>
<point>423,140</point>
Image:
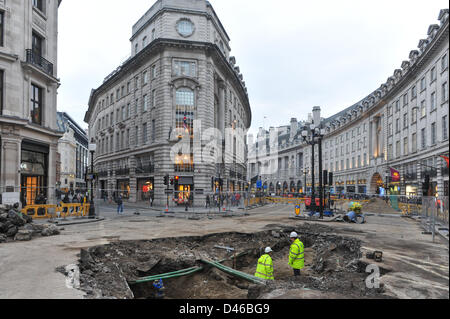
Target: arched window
<point>144,42</point>
<point>136,48</point>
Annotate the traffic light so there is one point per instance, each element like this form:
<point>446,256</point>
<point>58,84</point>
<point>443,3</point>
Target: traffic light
<point>171,181</point>
<point>166,180</point>
<point>176,180</point>
<point>330,179</point>
<point>325,177</point>
<point>426,185</point>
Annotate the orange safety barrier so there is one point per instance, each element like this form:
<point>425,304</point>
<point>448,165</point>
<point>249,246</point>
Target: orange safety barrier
<point>56,211</point>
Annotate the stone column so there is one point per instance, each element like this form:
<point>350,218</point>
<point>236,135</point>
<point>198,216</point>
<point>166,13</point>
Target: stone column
<point>52,174</point>
<point>133,180</point>
<point>10,163</point>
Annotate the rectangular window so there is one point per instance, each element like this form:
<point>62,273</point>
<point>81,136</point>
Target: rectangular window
<point>39,4</point>
<point>433,74</point>
<point>136,84</point>
<point>36,104</point>
<point>444,92</point>
<point>117,94</point>
<point>413,92</point>
<point>397,149</point>
<point>424,138</point>
<point>433,101</point>
<point>144,133</point>
<point>122,93</point>
<point>397,125</point>
<point>433,133</point>
<point>444,128</point>
<point>414,143</point>
<point>153,130</point>
<point>145,76</point>
<point>124,114</point>
<point>423,108</point>
<point>128,110</point>
<point>184,68</point>
<point>154,72</point>
<point>444,62</point>
<point>390,129</point>
<point>405,146</point>
<point>414,115</point>
<point>128,88</point>
<point>423,84</point>
<point>2,28</point>
<point>154,98</point>
<point>397,106</point>
<point>390,152</point>
<point>136,106</point>
<point>36,46</point>
<point>145,103</point>
<point>405,99</point>
<point>405,120</point>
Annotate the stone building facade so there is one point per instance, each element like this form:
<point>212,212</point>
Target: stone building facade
<point>28,95</point>
<point>402,125</point>
<point>180,75</point>
<point>74,155</point>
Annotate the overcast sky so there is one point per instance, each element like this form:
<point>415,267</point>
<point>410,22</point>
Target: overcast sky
<point>294,54</point>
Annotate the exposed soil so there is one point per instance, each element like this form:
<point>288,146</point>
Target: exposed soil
<point>377,205</point>
<point>332,264</point>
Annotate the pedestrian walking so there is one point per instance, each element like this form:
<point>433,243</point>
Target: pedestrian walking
<point>119,202</point>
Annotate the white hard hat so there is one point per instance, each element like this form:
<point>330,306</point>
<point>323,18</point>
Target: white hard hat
<point>294,235</point>
<point>268,250</point>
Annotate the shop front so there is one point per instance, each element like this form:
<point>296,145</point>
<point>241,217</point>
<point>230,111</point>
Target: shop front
<point>184,188</point>
<point>123,188</point>
<point>145,189</point>
<point>33,173</point>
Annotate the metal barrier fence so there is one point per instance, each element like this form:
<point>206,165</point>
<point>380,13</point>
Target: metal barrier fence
<point>434,214</point>
<point>56,211</point>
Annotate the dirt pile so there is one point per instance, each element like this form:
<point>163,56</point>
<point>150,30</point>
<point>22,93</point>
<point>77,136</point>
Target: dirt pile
<point>377,206</point>
<point>15,226</point>
<point>331,265</point>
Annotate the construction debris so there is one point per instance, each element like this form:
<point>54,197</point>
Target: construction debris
<point>15,226</point>
<point>129,269</point>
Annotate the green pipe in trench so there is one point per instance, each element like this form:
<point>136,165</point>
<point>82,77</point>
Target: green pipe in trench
<point>180,273</point>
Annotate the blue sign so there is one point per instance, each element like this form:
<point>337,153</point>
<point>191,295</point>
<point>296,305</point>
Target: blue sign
<point>259,184</point>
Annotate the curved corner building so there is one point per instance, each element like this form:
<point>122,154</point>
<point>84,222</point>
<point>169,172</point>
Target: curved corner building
<point>180,76</point>
<point>402,125</point>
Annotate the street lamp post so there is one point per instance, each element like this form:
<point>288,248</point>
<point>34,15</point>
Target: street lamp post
<point>313,135</point>
<point>92,149</point>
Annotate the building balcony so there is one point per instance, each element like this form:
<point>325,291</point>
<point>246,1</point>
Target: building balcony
<point>122,171</point>
<point>147,169</point>
<point>103,174</point>
<point>38,61</point>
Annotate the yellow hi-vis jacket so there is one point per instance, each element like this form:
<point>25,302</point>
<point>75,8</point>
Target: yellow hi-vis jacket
<point>297,255</point>
<point>265,268</point>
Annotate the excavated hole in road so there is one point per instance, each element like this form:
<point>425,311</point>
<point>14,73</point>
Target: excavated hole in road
<point>331,264</point>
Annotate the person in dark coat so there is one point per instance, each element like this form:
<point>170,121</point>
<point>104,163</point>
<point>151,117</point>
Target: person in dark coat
<point>119,202</point>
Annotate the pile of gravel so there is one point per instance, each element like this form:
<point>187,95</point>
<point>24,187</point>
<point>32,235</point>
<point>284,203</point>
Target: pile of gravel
<point>15,226</point>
